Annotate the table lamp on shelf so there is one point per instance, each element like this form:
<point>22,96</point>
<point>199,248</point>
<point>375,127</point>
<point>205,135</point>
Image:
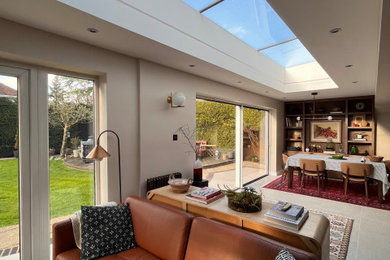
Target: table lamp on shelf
<point>99,153</point>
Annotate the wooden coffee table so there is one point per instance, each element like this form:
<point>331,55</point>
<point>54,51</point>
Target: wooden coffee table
<point>312,237</point>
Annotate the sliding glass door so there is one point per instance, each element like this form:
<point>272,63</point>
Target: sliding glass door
<point>232,142</point>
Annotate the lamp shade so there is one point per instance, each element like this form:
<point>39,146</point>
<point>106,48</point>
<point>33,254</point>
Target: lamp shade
<point>178,99</point>
<point>98,153</point>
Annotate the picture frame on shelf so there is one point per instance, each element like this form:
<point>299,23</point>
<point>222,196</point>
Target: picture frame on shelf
<point>321,131</point>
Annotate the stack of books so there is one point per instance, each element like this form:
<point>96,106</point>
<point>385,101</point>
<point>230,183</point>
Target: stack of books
<point>205,195</point>
<point>286,214</point>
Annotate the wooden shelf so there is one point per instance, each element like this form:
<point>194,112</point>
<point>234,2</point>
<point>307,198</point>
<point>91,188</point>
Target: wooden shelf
<point>359,128</point>
<point>294,115</point>
<point>326,114</point>
<point>359,113</point>
<point>293,140</point>
<point>320,109</point>
<point>359,142</point>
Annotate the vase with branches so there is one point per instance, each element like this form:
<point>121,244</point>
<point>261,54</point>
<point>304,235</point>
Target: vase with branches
<point>189,136</point>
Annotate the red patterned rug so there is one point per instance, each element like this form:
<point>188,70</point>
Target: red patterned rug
<point>334,190</point>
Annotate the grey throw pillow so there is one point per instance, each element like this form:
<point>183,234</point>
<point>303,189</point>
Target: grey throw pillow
<point>284,254</point>
<point>105,231</point>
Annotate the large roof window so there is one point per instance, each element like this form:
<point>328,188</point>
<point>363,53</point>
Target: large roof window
<point>259,26</point>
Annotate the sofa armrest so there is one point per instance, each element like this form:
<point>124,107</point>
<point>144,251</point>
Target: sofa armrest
<point>63,239</point>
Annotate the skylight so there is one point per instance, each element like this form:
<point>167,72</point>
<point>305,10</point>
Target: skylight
<point>259,26</point>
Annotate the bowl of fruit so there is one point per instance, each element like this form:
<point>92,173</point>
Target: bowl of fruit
<point>338,156</point>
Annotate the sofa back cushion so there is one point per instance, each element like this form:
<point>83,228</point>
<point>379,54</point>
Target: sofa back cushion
<point>213,240</point>
<point>161,230</point>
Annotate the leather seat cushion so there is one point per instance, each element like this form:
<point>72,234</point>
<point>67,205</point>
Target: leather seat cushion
<point>213,240</point>
<point>134,253</point>
<point>158,229</point>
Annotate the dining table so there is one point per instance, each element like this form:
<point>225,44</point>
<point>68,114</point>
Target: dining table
<point>379,169</point>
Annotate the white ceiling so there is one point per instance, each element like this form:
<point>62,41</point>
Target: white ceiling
<point>310,20</point>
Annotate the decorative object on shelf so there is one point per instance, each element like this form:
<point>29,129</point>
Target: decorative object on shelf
<point>98,153</point>
<point>189,135</point>
<point>321,131</point>
<point>319,149</point>
<point>358,120</point>
<point>360,137</point>
<point>179,185</point>
<point>176,100</point>
<point>247,201</point>
<point>307,149</point>
<point>360,106</point>
<point>364,123</point>
<point>354,149</point>
<point>330,145</point>
<point>198,170</point>
<point>374,158</point>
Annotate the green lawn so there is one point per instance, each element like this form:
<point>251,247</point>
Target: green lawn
<point>69,188</point>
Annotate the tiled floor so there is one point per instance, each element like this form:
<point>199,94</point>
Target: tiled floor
<point>370,238</point>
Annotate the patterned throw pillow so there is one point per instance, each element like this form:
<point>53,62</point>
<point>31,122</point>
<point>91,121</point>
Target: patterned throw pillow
<point>105,231</point>
<point>284,254</point>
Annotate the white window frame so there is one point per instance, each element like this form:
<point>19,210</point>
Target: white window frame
<point>239,136</point>
<point>34,190</point>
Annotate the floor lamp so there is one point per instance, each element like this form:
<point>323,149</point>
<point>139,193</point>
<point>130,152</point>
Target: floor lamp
<point>98,153</point>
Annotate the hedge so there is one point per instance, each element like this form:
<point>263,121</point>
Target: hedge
<point>8,125</point>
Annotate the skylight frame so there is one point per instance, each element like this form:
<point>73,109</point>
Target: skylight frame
<point>217,2</point>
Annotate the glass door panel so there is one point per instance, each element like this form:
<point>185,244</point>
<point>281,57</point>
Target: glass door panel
<point>9,167</point>
<point>215,141</point>
<point>255,144</point>
<point>71,135</point>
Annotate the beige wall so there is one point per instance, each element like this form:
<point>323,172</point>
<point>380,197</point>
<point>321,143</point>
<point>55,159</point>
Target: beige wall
<point>158,122</point>
<point>132,102</point>
<point>382,95</point>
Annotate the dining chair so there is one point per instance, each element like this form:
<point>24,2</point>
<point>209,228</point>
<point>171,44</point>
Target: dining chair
<point>356,172</point>
<point>313,168</point>
<point>285,170</point>
<point>387,164</point>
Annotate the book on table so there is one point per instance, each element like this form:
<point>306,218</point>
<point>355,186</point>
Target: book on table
<point>204,201</point>
<point>287,222</point>
<point>205,193</point>
<point>293,212</point>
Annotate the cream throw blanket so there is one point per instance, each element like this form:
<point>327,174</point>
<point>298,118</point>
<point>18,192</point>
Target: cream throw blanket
<point>76,222</point>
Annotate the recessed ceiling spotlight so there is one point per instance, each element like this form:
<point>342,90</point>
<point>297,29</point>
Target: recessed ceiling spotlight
<point>266,91</point>
<point>354,82</point>
<point>239,82</point>
<point>191,65</point>
<point>92,30</point>
<point>335,30</point>
<point>348,65</point>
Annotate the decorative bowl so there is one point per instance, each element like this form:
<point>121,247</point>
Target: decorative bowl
<point>179,185</point>
<point>337,156</point>
<point>373,158</point>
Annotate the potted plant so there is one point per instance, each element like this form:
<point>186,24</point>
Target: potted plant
<point>248,200</point>
<point>75,142</point>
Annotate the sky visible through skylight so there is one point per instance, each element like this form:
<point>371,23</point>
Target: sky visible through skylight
<point>259,26</point>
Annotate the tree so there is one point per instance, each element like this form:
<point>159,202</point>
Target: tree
<point>70,102</point>
<point>8,125</point>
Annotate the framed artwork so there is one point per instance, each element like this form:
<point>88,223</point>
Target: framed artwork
<point>321,131</point>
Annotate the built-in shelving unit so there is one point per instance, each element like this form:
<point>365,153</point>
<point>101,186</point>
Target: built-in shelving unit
<point>357,116</point>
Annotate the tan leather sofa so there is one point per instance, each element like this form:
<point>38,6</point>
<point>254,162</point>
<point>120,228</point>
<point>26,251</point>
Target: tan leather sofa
<point>162,232</point>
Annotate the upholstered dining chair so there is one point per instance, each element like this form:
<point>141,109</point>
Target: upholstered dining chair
<point>313,168</point>
<point>356,172</point>
<point>285,170</point>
